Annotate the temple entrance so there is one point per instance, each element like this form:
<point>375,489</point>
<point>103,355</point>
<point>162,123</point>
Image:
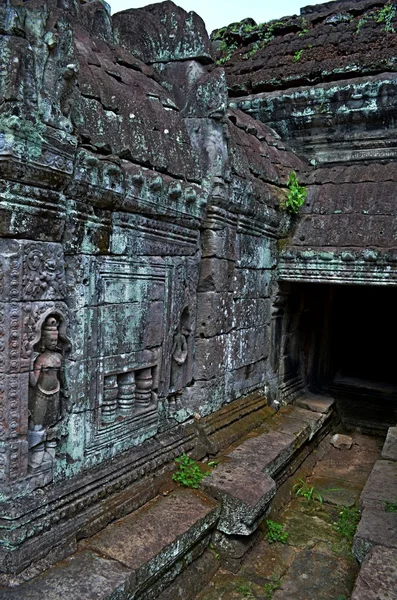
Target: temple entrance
<point>342,346</point>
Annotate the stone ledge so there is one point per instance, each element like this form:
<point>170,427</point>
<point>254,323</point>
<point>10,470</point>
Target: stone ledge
<point>136,556</point>
<point>381,486</point>
<point>244,482</point>
<point>377,527</point>
<point>315,403</point>
<point>378,576</point>
<point>244,492</point>
<point>85,575</point>
<point>389,451</point>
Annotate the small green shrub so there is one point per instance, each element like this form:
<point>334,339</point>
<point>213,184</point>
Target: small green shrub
<point>347,522</point>
<point>301,488</point>
<point>298,55</point>
<point>272,586</point>
<point>383,15</point>
<point>296,195</point>
<point>275,532</point>
<point>390,506</point>
<point>243,588</point>
<point>386,15</point>
<point>189,473</point>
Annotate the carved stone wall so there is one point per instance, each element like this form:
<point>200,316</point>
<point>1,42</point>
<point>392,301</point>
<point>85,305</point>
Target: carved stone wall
<point>140,239</point>
<point>326,82</point>
<point>139,227</point>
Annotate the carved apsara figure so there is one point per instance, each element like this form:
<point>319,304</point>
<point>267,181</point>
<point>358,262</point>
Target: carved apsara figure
<point>44,396</point>
<point>180,351</point>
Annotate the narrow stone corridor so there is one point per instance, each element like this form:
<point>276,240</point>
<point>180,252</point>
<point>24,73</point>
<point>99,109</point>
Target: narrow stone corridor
<point>315,560</point>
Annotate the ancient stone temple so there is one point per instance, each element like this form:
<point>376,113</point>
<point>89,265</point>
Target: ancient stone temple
<point>153,288</point>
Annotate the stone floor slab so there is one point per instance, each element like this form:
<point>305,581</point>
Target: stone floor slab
<point>84,576</point>
<point>354,465</point>
<point>378,576</point>
<point>389,451</point>
<point>307,574</point>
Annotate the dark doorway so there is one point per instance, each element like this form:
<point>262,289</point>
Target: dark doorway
<point>343,345</point>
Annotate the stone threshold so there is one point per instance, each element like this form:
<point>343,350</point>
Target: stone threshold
<point>375,542</point>
<point>161,551</point>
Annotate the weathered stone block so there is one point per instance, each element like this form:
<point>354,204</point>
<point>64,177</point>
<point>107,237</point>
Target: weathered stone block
<point>246,346</point>
<point>378,575</point>
<point>219,243</point>
<point>251,283</point>
<point>214,313</point>
<point>145,33</point>
<point>376,528</point>
<point>269,451</point>
<point>210,357</point>
<point>381,486</point>
<point>216,275</point>
<point>85,575</point>
<point>153,538</point>
<point>389,450</point>
<point>244,492</point>
<point>255,252</point>
<point>253,312</point>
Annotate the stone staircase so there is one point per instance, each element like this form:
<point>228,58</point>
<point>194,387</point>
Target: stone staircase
<point>375,542</point>
<point>169,548</point>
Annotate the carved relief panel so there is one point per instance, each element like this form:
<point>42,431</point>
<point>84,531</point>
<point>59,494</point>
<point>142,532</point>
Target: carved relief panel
<point>32,288</point>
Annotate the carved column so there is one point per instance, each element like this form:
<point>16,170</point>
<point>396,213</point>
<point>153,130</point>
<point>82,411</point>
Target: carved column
<point>126,397</point>
<point>109,404</point>
<point>144,382</point>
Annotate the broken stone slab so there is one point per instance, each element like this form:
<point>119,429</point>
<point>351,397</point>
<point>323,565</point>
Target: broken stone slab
<point>341,442</point>
<point>315,402</point>
<point>376,528</point>
<point>85,576</point>
<point>268,452</point>
<point>389,450</point>
<point>378,576</point>
<point>151,540</point>
<point>381,486</point>
<point>244,492</point>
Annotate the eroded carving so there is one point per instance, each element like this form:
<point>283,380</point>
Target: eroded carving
<point>47,383</point>
<point>43,272</point>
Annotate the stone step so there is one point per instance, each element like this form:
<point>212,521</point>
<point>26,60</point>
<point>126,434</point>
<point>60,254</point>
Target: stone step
<point>244,482</point>
<point>315,402</point>
<point>134,557</point>
<point>244,492</point>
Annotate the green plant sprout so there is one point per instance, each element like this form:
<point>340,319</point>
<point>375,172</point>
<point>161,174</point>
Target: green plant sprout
<point>302,488</point>
<point>386,15</point>
<point>189,473</point>
<point>347,522</point>
<point>390,506</point>
<point>272,586</point>
<point>296,195</point>
<point>275,532</point>
<point>243,588</point>
<point>298,55</point>
<point>383,15</point>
